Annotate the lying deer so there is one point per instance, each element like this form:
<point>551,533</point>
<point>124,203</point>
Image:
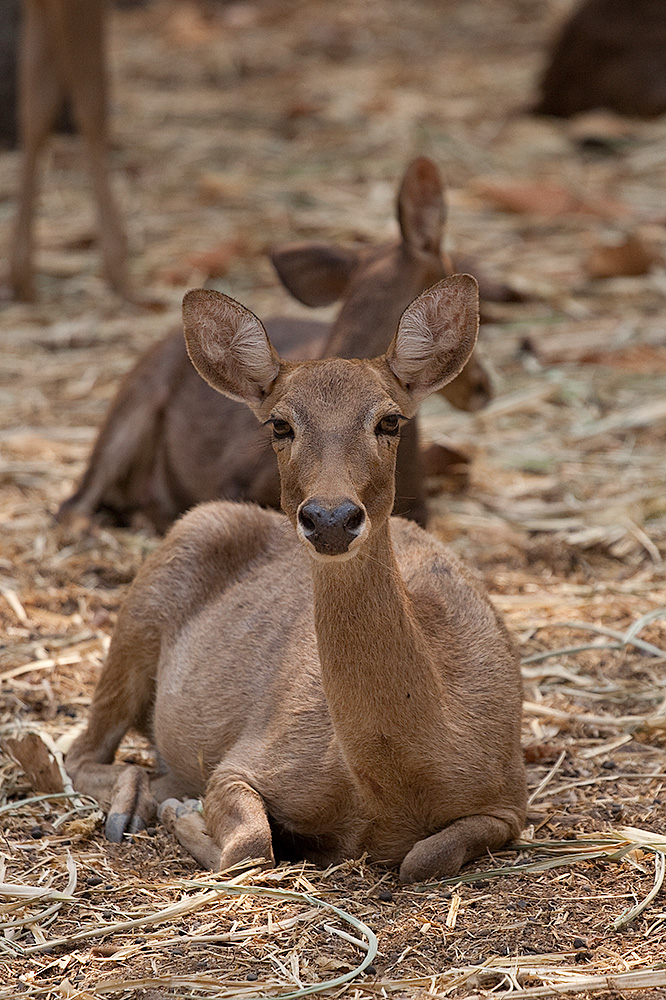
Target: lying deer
<point>339,688</point>
<point>169,441</point>
<point>62,56</point>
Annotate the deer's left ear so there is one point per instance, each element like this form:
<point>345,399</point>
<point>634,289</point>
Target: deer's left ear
<point>435,336</point>
<point>229,346</point>
<point>315,273</point>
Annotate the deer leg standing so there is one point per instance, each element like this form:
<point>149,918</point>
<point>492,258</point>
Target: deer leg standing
<point>40,98</point>
<point>84,68</point>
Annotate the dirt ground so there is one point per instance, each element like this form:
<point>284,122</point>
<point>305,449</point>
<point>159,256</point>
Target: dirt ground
<point>237,127</point>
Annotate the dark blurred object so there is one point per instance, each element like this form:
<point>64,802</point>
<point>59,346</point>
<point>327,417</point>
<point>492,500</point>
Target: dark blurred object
<point>609,54</point>
<point>9,27</point>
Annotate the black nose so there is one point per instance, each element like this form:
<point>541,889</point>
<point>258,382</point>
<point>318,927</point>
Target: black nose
<point>331,529</point>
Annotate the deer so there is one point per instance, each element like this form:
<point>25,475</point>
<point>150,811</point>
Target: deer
<point>169,441</point>
<point>62,57</point>
<point>329,679</point>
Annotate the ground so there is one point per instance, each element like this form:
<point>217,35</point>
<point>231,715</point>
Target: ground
<point>239,126</point>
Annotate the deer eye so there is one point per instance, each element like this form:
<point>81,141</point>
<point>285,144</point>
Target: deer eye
<point>390,424</point>
<point>282,429</point>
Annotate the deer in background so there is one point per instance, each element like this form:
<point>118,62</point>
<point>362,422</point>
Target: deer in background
<point>333,682</point>
<point>62,57</point>
<point>169,441</point>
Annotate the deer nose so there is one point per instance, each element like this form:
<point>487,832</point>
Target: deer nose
<point>331,530</point>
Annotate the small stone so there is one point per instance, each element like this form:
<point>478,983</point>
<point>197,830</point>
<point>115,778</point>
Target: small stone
<point>579,943</point>
<point>36,832</point>
<point>609,765</point>
<point>107,914</point>
<point>252,976</point>
<point>385,895</point>
<point>94,880</point>
<point>370,970</point>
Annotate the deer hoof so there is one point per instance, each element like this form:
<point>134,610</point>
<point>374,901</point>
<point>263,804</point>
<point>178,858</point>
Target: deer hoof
<point>185,821</point>
<point>118,825</point>
<point>133,807</point>
<point>173,809</point>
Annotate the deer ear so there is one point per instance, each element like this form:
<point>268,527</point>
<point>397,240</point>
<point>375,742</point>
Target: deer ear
<point>229,346</point>
<point>421,207</point>
<point>436,336</point>
<point>314,273</point>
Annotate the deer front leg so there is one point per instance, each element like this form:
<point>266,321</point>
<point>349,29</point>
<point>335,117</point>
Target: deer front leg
<point>123,700</point>
<point>443,854</point>
<point>122,790</point>
<point>234,826</point>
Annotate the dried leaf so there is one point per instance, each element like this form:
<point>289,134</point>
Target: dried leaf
<point>630,257</point>
<point>549,200</point>
<point>38,763</point>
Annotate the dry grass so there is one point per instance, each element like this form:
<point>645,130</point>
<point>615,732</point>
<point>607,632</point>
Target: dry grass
<point>275,121</point>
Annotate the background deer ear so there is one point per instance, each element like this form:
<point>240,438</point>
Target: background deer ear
<point>436,336</point>
<point>229,346</point>
<point>421,207</point>
<point>314,273</point>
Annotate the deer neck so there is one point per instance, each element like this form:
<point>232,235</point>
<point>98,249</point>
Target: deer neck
<point>370,315</point>
<point>378,675</point>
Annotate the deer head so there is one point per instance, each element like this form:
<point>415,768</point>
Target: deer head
<point>336,423</point>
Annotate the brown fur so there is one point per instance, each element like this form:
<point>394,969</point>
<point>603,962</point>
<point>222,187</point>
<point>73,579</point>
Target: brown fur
<point>152,462</point>
<point>324,705</point>
<point>62,56</point>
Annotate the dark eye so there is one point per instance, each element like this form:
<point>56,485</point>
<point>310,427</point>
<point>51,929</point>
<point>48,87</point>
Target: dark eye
<point>282,429</point>
<point>390,424</point>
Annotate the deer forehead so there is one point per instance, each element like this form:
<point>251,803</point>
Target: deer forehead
<point>335,393</point>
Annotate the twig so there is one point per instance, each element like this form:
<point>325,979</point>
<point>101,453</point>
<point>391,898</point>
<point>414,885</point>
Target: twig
<point>554,769</point>
<point>630,722</point>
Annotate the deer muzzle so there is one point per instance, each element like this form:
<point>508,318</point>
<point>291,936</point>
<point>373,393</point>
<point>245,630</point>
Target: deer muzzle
<point>330,530</point>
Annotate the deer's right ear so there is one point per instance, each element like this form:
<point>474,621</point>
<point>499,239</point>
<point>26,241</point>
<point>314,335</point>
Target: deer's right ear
<point>229,346</point>
<point>316,274</point>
